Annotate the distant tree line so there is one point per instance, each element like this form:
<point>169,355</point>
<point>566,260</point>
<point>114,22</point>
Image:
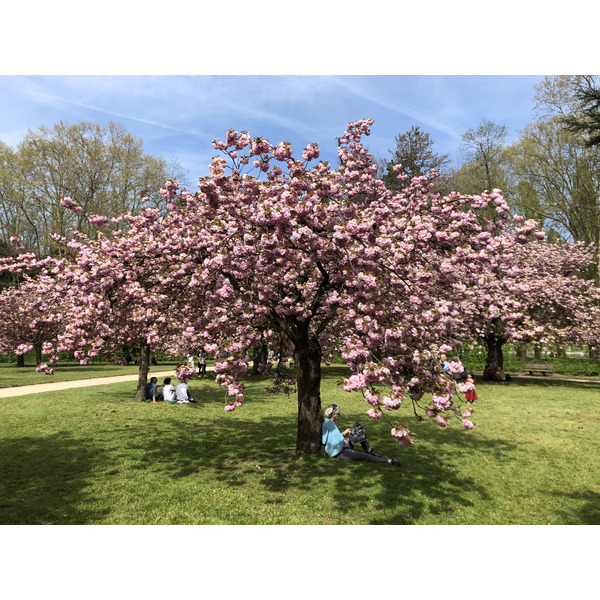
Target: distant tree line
<point>102,169</point>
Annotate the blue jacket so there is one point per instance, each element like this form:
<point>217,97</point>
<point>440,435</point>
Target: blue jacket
<point>332,438</point>
<point>151,389</point>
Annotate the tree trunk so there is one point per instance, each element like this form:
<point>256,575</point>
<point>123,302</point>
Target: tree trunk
<point>38,353</point>
<point>537,352</point>
<point>521,350</point>
<point>143,370</point>
<point>20,360</point>
<point>259,357</point>
<point>495,357</point>
<point>308,377</point>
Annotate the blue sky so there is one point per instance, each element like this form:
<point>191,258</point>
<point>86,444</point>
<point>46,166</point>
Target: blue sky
<point>182,74</point>
<point>179,116</point>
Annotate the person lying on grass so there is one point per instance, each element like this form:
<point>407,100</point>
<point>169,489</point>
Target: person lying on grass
<point>337,445</point>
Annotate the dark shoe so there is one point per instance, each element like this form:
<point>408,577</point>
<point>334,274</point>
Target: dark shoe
<point>396,463</point>
<point>192,400</point>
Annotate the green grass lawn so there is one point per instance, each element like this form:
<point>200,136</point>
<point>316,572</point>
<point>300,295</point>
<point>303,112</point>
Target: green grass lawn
<point>93,456</point>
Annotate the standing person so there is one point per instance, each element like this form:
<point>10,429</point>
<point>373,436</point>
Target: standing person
<point>471,395</point>
<point>169,391</point>
<point>201,364</point>
<point>182,391</point>
<point>338,446</point>
<point>151,389</point>
<point>190,362</point>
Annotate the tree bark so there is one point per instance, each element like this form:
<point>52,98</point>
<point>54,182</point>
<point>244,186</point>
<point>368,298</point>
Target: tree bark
<point>495,357</point>
<point>20,360</point>
<point>521,350</point>
<point>143,370</point>
<point>38,353</point>
<point>259,357</point>
<point>307,358</point>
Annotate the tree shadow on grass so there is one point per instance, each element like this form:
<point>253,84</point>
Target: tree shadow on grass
<point>42,479</point>
<point>587,514</point>
<point>243,453</point>
<point>542,383</point>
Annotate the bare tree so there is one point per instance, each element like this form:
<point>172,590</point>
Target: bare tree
<point>102,169</point>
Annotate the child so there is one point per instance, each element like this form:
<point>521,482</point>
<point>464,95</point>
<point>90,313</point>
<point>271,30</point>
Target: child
<point>471,395</point>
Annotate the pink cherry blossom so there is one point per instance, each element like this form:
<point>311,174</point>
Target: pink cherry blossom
<point>313,262</point>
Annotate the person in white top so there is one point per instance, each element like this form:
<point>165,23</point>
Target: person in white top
<point>168,391</point>
<point>182,392</point>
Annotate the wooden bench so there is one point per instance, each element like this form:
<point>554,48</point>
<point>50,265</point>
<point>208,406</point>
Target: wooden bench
<point>539,368</point>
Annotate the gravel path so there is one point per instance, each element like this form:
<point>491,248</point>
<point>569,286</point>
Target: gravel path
<point>53,386</point>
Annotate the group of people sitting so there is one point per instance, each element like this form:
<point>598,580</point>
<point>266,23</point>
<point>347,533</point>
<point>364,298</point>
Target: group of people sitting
<point>457,376</point>
<point>490,374</point>
<point>179,394</point>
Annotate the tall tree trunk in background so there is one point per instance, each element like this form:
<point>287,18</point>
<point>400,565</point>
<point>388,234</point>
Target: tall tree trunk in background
<point>20,360</point>
<point>521,350</point>
<point>143,371</point>
<point>259,356</point>
<point>38,353</point>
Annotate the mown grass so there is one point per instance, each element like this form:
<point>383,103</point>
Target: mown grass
<point>93,456</point>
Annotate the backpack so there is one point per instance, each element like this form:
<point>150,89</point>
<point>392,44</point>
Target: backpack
<point>357,434</point>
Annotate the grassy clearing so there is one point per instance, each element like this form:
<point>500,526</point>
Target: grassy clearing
<point>93,456</point>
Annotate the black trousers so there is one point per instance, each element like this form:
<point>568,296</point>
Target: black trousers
<point>348,453</point>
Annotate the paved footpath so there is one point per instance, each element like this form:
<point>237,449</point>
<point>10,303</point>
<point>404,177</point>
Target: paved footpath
<point>53,386</point>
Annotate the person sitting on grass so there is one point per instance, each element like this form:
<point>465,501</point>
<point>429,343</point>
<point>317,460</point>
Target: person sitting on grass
<point>169,390</point>
<point>490,375</point>
<point>337,445</point>
<point>182,391</point>
<point>151,390</point>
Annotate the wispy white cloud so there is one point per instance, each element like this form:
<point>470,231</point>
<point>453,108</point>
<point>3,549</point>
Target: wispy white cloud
<point>69,101</point>
<point>380,99</point>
